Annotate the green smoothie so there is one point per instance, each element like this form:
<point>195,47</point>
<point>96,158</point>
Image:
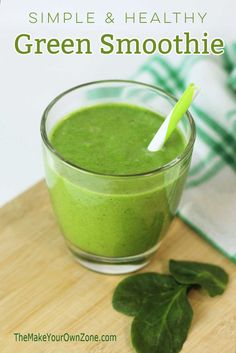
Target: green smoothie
<point>113,139</point>
<point>112,211</point>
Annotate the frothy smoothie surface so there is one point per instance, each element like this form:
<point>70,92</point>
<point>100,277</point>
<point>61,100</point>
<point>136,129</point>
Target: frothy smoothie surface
<point>112,138</point>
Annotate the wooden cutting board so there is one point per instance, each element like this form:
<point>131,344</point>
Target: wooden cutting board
<point>44,290</point>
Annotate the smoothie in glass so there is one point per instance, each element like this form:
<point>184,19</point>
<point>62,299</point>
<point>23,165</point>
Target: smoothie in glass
<point>114,200</point>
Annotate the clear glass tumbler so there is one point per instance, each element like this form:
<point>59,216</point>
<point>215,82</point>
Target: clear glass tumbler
<point>112,223</point>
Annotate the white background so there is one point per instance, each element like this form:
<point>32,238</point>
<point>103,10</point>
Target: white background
<point>28,83</point>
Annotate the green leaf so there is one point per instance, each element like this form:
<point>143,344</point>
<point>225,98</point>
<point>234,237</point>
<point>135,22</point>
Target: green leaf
<point>159,303</point>
<point>210,277</point>
<point>162,324</point>
<point>134,291</point>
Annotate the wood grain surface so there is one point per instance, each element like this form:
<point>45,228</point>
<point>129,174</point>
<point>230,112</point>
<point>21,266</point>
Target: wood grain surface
<point>44,290</point>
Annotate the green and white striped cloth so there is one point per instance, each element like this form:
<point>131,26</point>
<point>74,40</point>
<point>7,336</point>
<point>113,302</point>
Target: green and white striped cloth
<point>209,201</point>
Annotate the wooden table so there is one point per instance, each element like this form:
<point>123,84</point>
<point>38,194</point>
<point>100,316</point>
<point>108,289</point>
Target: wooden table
<point>44,290</point>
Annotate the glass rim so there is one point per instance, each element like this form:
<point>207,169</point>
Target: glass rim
<point>155,171</point>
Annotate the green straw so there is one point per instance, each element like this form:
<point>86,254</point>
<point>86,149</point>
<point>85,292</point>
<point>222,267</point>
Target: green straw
<point>173,118</point>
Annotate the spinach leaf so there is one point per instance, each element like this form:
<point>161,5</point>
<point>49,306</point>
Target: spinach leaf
<point>135,290</point>
<point>210,277</point>
<point>162,324</point>
<point>160,305</point>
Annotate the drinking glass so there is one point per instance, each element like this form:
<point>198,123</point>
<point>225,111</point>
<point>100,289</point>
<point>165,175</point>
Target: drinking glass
<point>114,223</point>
